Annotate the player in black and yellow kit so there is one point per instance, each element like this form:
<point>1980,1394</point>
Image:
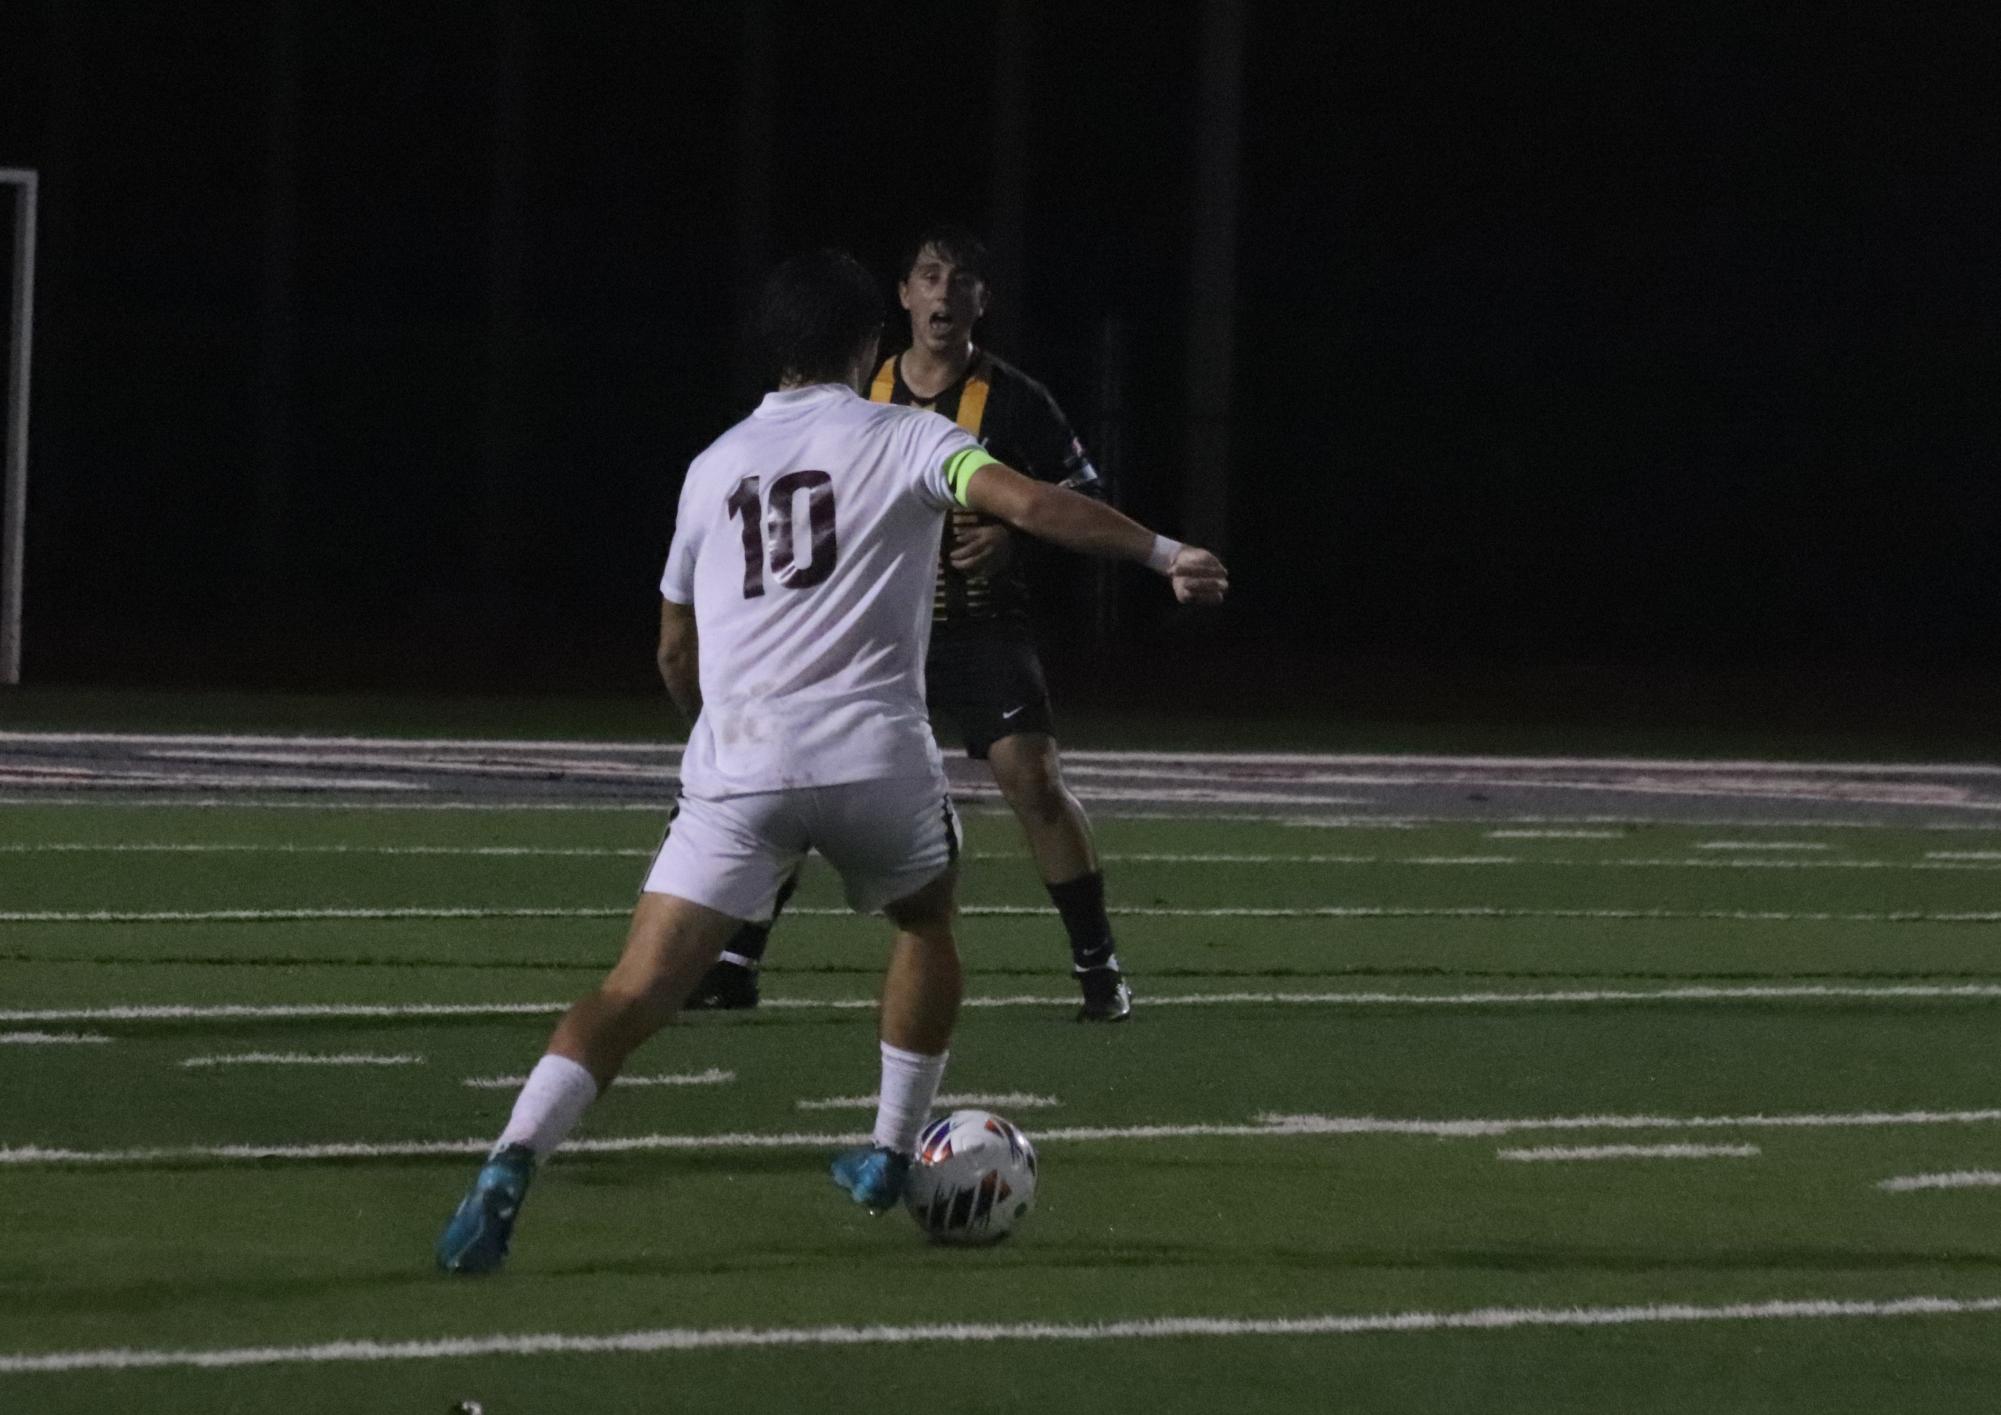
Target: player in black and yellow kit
<point>983,675</point>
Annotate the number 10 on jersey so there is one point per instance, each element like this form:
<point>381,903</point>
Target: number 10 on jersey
<point>779,526</point>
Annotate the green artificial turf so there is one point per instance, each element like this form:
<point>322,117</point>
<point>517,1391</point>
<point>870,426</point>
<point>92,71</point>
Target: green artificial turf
<point>205,1253</point>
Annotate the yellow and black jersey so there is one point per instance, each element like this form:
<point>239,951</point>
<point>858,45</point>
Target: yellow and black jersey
<point>1017,421</point>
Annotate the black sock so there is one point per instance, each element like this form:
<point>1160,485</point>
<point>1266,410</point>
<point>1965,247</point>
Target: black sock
<point>1081,902</point>
<point>746,947</point>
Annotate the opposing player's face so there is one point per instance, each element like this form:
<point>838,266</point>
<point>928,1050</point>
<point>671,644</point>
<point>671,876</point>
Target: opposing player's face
<point>944,301</point>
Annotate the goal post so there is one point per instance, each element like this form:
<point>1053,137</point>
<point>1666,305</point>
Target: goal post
<point>20,183</point>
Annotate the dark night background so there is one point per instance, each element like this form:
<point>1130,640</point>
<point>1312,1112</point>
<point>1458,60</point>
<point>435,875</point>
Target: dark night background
<point>373,337</point>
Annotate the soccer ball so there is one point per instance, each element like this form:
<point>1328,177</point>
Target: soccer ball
<point>974,1178</point>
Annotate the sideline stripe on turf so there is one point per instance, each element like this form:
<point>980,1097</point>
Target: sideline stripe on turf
<point>1263,1127</point>
<point>740,1338</point>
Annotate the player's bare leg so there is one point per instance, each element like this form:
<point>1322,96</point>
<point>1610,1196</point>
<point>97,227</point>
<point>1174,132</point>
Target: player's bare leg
<point>670,942</point>
<point>1029,773</point>
<point>921,990</point>
<point>731,983</point>
<point>1030,776</point>
<point>924,983</point>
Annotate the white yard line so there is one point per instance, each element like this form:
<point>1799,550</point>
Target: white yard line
<point>1934,797</point>
<point>1628,1152</point>
<point>1329,911</point>
<point>274,916</point>
<point>542,769</point>
<point>1625,823</point>
<point>1466,1128</point>
<point>1699,992</point>
<point>35,1155</point>
<point>1264,1127</point>
<point>1388,821</point>
<point>114,779</point>
<point>1934,862</point>
<point>1952,1179</point>
<point>1694,992</point>
<point>253,803</point>
<point>1011,1100</point>
<point>1763,845</point>
<point>84,847</point>
<point>1393,911</point>
<point>1556,834</point>
<point>1735,862</point>
<point>714,1076</point>
<point>271,1011</point>
<point>1192,795</point>
<point>1937,786</point>
<point>337,744</point>
<point>661,1339</point>
<point>42,1039</point>
<point>300,1058</point>
<point>1558,763</point>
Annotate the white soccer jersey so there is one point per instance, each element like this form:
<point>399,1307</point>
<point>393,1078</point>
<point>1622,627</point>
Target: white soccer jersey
<point>807,541</point>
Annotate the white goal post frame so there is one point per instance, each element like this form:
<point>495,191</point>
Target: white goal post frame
<point>20,354</point>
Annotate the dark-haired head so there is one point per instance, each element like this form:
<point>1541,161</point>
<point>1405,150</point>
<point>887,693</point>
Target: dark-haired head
<point>960,247</point>
<point>944,287</point>
<point>818,318</point>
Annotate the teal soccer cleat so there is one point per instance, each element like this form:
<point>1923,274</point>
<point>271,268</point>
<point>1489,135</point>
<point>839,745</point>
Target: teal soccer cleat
<point>475,1241</point>
<point>873,1175</point>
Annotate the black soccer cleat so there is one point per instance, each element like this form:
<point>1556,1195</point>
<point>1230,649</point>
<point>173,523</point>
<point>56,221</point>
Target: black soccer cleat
<point>726,987</point>
<point>1107,996</point>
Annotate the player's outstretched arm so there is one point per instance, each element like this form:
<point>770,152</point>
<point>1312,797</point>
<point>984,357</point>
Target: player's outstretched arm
<point>1078,523</point>
<point>679,657</point>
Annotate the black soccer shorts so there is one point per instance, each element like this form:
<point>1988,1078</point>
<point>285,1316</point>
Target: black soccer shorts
<point>989,686</point>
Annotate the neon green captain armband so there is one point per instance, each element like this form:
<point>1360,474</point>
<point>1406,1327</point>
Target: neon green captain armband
<point>960,466</point>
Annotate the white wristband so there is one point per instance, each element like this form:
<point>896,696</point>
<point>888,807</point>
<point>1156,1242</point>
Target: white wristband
<point>1161,558</point>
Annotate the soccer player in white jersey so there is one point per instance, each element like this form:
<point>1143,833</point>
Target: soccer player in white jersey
<point>795,612</point>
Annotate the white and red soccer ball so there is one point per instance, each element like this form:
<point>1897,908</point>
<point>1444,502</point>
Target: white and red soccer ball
<point>974,1178</point>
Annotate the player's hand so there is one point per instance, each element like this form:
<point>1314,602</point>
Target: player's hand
<point>1198,577</point>
<point>983,549</point>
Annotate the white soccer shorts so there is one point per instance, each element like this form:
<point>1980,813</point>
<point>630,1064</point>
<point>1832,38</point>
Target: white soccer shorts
<point>887,839</point>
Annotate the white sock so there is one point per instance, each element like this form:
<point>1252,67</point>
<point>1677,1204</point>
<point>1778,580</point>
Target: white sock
<point>554,1099</point>
<point>909,1086</point>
